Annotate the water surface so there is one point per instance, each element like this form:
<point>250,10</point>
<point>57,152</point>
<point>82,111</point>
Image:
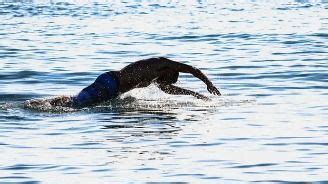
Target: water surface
<point>269,59</point>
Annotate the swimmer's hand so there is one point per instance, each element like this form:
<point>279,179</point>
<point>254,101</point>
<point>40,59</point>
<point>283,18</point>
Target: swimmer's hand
<point>213,90</point>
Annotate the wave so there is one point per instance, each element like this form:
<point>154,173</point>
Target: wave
<point>131,102</point>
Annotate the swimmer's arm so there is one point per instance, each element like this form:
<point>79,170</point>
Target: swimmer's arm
<point>174,90</point>
<point>200,75</point>
<point>184,68</point>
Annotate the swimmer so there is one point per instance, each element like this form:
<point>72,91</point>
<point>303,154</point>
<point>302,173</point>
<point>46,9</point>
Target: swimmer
<point>161,71</point>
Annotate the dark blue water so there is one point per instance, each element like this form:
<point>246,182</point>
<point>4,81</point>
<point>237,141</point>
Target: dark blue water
<point>268,58</point>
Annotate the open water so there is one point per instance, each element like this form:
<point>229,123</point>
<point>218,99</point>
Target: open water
<point>268,58</point>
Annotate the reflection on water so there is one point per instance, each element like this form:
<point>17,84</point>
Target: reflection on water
<point>269,59</point>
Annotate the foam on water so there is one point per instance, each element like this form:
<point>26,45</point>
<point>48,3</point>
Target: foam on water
<point>146,99</point>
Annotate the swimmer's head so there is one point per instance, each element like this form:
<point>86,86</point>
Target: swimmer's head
<point>168,78</point>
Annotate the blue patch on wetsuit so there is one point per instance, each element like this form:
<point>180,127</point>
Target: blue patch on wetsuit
<point>104,88</point>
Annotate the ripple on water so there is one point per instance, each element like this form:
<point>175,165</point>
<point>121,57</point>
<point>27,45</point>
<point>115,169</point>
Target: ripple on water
<point>268,125</point>
<point>19,179</point>
<point>254,165</point>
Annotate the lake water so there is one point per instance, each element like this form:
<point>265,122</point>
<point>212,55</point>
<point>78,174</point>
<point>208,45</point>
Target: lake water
<point>268,58</point>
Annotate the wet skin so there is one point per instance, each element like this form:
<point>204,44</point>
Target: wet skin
<point>163,72</point>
